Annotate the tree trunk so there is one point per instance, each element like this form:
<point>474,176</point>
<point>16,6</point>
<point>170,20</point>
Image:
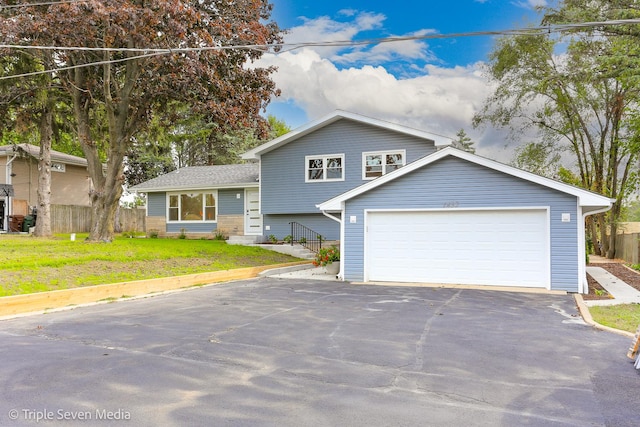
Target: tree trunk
<point>106,186</point>
<point>593,235</point>
<point>104,203</point>
<point>614,214</point>
<point>603,241</point>
<point>43,222</point>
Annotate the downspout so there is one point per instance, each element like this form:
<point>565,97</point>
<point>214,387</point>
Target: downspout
<point>339,221</point>
<point>583,286</point>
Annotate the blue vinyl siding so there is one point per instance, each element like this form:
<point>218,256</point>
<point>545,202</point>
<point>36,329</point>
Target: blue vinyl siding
<point>283,186</point>
<point>467,185</point>
<point>280,225</point>
<point>229,203</point>
<point>157,204</point>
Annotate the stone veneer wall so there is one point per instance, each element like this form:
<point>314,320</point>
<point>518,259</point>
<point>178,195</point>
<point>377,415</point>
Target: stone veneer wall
<point>231,225</point>
<point>157,223</point>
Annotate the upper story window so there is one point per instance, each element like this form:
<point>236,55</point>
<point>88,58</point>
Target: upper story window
<point>378,163</point>
<point>58,167</point>
<point>324,168</point>
<point>192,207</point>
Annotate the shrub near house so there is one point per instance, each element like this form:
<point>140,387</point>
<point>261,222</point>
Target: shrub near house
<point>326,256</point>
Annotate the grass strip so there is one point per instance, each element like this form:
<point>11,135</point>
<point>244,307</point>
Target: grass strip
<point>625,317</point>
<point>31,264</point>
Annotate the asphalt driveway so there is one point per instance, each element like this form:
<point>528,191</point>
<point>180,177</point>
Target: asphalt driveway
<point>314,353</point>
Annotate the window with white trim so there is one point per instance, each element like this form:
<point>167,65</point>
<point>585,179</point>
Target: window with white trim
<point>324,168</point>
<point>58,167</point>
<point>378,163</point>
<point>194,206</point>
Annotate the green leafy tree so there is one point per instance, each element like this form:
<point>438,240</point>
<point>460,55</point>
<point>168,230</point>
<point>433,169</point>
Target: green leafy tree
<point>114,81</point>
<point>278,127</point>
<point>538,158</point>
<point>580,102</point>
<point>28,107</point>
<point>464,142</point>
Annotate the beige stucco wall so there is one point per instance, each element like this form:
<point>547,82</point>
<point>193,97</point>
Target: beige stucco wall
<point>70,187</point>
<point>3,170</point>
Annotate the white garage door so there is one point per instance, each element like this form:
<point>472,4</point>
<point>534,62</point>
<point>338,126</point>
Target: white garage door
<point>483,247</point>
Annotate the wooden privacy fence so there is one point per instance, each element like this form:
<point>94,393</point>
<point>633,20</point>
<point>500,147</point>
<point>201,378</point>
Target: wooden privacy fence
<point>77,219</point>
<point>628,247</point>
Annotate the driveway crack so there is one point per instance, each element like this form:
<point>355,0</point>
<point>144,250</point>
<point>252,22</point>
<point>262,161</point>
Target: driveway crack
<point>419,359</point>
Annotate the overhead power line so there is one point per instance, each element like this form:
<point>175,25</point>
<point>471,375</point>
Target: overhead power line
<point>276,48</point>
<point>48,3</point>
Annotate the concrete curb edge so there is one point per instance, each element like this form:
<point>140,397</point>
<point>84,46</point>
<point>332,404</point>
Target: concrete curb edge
<point>586,316</point>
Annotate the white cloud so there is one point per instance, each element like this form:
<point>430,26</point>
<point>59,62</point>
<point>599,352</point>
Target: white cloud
<point>432,98</point>
<point>442,100</point>
<point>325,29</point>
<point>390,51</point>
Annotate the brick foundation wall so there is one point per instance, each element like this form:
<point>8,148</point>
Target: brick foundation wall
<point>231,225</point>
<point>157,223</point>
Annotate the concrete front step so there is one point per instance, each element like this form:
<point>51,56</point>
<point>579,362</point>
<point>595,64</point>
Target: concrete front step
<point>244,240</point>
<point>297,251</point>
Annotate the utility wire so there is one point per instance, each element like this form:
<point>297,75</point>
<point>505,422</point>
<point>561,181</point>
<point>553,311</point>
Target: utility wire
<point>49,3</point>
<point>71,67</point>
<point>276,48</point>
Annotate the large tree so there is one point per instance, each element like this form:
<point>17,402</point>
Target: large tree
<point>576,103</point>
<point>117,79</point>
<point>28,107</point>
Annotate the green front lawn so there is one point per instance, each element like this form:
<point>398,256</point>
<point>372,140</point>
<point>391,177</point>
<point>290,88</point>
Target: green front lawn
<point>625,317</point>
<point>29,264</point>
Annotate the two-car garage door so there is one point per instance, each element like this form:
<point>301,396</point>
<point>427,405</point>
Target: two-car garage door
<point>478,247</point>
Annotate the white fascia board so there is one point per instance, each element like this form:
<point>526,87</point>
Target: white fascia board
<point>310,127</point>
<point>585,198</point>
<point>202,188</point>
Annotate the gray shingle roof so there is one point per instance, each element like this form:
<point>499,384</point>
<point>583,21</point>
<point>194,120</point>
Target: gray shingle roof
<point>202,177</point>
<point>34,151</point>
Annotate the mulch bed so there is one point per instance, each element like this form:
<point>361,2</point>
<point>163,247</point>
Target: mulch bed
<point>626,274</point>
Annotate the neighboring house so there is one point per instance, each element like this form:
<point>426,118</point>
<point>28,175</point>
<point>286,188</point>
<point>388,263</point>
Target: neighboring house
<point>70,182</point>
<point>403,208</point>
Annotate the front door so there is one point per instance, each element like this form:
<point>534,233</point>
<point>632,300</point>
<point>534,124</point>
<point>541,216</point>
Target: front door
<point>252,217</point>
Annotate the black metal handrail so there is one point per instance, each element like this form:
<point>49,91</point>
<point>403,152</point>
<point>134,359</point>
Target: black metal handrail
<point>305,237</point>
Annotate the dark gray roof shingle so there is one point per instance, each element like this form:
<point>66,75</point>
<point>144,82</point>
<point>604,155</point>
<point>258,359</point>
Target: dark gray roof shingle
<point>34,151</point>
<point>202,177</point>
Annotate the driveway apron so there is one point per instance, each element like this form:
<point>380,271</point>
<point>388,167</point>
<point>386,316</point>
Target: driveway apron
<point>275,351</point>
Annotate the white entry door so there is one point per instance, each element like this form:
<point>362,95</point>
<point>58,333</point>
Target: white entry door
<point>252,217</point>
<point>483,247</point>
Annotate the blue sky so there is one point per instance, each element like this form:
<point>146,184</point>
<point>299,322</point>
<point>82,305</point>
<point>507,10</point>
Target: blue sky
<point>435,85</point>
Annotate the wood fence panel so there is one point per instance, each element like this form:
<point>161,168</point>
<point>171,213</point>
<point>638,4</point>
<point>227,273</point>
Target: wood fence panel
<point>628,247</point>
<point>77,219</point>
<point>131,220</point>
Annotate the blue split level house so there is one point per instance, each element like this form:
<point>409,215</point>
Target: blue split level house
<point>403,204</point>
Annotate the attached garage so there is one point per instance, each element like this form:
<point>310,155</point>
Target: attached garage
<point>479,247</point>
<point>456,218</point>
